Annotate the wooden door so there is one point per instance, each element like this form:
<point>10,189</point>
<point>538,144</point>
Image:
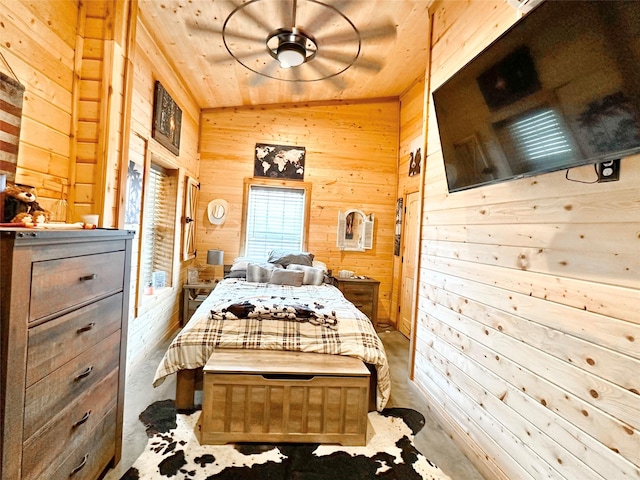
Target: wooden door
<point>410,244</point>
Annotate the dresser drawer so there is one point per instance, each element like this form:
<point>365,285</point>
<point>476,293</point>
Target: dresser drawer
<point>54,343</point>
<point>358,294</point>
<point>45,451</point>
<point>60,388</point>
<point>92,456</point>
<point>62,283</point>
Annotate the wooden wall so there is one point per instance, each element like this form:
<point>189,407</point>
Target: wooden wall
<point>71,57</point>
<point>351,162</point>
<point>153,317</point>
<point>39,44</point>
<point>411,130</point>
<point>527,330</point>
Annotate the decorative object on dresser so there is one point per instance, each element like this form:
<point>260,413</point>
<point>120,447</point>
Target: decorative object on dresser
<point>12,93</point>
<point>65,297</point>
<point>362,292</point>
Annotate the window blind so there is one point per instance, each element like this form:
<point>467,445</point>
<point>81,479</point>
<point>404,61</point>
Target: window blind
<point>158,224</point>
<point>275,219</point>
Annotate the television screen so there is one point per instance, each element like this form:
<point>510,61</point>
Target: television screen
<point>559,89</point>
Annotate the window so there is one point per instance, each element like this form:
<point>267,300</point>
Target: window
<point>276,216</point>
<point>158,226</point>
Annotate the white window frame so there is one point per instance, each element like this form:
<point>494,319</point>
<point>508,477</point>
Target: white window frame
<point>250,183</point>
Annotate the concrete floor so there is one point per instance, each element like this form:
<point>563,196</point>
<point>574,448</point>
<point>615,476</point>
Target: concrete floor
<point>432,441</point>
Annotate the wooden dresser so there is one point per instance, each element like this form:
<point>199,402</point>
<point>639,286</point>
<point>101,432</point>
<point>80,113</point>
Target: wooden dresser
<point>363,293</point>
<point>64,306</point>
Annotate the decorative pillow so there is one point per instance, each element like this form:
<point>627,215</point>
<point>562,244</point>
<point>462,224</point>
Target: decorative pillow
<point>280,276</point>
<point>240,263</point>
<point>259,272</point>
<point>312,275</point>
<point>319,264</point>
<point>236,274</point>
<point>284,257</point>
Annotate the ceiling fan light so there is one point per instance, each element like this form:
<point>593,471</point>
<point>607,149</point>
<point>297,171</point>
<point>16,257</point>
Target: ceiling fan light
<point>291,54</point>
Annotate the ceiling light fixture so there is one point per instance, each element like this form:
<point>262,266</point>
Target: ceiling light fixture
<point>291,47</point>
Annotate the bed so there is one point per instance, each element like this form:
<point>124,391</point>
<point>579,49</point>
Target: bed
<point>263,315</point>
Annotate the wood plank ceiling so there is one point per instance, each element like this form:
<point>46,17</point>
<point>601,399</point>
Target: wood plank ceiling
<point>393,49</point>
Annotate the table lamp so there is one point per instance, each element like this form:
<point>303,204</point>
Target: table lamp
<point>215,258</point>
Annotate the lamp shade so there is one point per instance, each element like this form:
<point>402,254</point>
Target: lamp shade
<point>215,257</point>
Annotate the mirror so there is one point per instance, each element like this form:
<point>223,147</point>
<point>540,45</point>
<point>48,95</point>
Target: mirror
<point>355,231</point>
<point>217,211</point>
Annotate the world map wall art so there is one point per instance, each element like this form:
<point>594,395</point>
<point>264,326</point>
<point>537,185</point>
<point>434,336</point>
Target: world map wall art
<point>279,161</point>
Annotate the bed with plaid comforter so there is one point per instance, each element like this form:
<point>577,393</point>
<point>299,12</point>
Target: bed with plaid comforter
<point>210,327</point>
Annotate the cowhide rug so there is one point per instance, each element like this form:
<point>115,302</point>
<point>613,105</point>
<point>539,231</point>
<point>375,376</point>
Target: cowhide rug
<point>173,452</point>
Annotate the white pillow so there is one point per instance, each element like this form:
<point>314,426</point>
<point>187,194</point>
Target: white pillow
<point>319,264</point>
<point>259,272</point>
<point>240,263</point>
<point>312,275</point>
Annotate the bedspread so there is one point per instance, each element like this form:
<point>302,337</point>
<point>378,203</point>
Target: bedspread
<point>353,334</point>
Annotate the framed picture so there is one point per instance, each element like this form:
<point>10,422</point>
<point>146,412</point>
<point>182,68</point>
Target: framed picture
<point>397,237</point>
<point>167,120</point>
<point>415,157</point>
<point>279,161</point>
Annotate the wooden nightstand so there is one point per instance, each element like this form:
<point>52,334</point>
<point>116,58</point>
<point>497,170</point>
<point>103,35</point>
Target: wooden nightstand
<point>192,296</point>
<point>363,293</point>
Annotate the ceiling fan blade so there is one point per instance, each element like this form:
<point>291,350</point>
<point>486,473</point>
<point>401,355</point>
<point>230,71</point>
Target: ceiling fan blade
<point>248,12</point>
<point>296,86</point>
<point>194,25</point>
<point>321,20</point>
<point>346,59</point>
<point>325,73</point>
<point>262,75</point>
<point>386,30</point>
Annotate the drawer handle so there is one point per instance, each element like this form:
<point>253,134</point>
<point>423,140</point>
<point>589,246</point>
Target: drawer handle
<point>86,328</point>
<point>85,373</point>
<point>84,418</point>
<point>81,466</point>
<point>93,276</point>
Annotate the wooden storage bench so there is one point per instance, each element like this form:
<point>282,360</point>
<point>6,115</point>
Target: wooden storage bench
<point>274,396</point>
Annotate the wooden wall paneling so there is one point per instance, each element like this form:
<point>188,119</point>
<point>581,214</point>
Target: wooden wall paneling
<point>492,459</point>
<point>411,127</point>
<point>129,47</point>
<point>557,402</point>
<point>351,160</point>
<point>156,319</point>
<point>542,421</point>
<point>527,295</point>
<point>46,74</point>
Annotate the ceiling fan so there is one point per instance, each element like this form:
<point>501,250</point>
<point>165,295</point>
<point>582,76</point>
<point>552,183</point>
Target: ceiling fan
<point>298,40</point>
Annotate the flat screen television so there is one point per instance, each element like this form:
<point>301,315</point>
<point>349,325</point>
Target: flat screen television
<point>559,89</point>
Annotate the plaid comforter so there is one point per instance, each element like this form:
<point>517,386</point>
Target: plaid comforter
<point>354,335</point>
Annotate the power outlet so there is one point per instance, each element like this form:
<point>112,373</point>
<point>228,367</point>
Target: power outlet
<point>609,171</point>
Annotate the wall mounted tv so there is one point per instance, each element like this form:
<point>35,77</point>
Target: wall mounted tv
<point>559,89</point>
